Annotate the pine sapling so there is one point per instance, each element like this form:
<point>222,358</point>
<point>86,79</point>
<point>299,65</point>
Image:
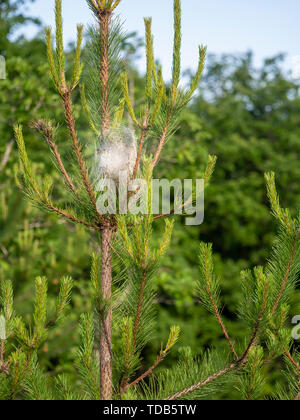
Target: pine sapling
<point>122,275</point>
<point>104,106</point>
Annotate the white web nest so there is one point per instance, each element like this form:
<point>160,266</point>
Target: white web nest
<point>117,153</point>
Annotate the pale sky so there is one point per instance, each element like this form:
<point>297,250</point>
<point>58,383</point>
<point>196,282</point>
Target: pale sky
<point>226,26</point>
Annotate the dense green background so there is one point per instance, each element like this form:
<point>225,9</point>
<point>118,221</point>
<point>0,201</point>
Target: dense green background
<point>248,117</point>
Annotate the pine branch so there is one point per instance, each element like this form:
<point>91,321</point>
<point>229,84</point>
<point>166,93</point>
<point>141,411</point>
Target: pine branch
<point>87,111</point>
<point>141,145</point>
<point>173,338</point>
<point>51,60</point>
<point>62,300</point>
<point>42,198</point>
<point>125,387</point>
<point>59,42</point>
<point>208,289</point>
<point>287,273</point>
<point>67,101</point>
<point>234,366</point>
<point>162,141</point>
<point>279,213</point>
<point>86,362</point>
<point>125,87</point>
<point>77,65</point>
<point>201,384</point>
<point>47,130</point>
<point>69,217</point>
<point>292,360</point>
<point>65,92</point>
<point>220,321</point>
<point>198,75</point>
<point>149,60</point>
<point>177,50</point>
<point>139,307</point>
<point>212,160</point>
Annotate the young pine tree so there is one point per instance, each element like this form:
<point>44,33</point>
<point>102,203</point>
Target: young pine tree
<point>114,336</point>
<point>104,105</point>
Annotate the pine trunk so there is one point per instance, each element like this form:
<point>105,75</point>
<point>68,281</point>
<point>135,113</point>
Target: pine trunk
<point>106,335</point>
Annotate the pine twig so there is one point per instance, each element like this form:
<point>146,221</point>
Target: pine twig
<point>137,322</point>
<point>287,352</point>
<point>69,216</point>
<point>47,131</point>
<point>292,360</point>
<point>236,365</point>
<point>161,142</point>
<point>286,276</point>
<point>218,316</point>
<point>159,359</point>
<point>258,323</point>
<point>139,308</point>
<point>141,145</point>
<point>201,384</point>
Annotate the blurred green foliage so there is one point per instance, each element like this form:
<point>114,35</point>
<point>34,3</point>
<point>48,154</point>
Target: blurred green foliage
<point>248,117</point>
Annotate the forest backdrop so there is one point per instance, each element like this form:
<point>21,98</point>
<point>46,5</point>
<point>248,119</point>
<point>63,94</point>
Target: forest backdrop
<point>249,117</point>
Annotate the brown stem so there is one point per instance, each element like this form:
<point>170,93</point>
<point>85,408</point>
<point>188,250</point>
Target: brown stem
<point>61,167</point>
<point>161,142</point>
<point>290,357</point>
<point>106,335</point>
<point>269,359</point>
<point>236,365</point>
<point>47,131</point>
<point>161,216</point>
<point>160,358</point>
<point>201,384</point>
<point>218,316</point>
<point>69,216</point>
<point>106,338</point>
<point>104,18</point>
<point>5,369</point>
